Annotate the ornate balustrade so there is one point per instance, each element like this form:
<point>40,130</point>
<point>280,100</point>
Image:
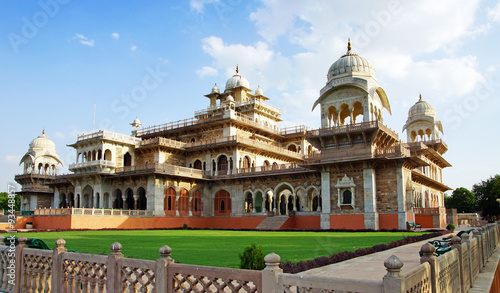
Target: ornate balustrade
<point>105,134</point>
<point>429,211</point>
<point>32,270</point>
<point>92,212</point>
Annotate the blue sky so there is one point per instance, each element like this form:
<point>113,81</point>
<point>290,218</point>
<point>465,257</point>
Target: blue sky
<point>156,59</point>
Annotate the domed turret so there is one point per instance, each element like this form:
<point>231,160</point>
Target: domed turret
<point>422,123</point>
<point>237,81</point>
<point>41,157</point>
<point>215,89</point>
<point>350,63</point>
<point>259,92</point>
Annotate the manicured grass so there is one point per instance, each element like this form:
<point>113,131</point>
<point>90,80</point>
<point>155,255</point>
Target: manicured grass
<point>218,248</point>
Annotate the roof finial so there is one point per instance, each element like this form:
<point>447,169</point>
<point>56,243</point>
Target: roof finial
<point>237,70</point>
<point>349,44</point>
<point>43,131</point>
<point>420,97</point>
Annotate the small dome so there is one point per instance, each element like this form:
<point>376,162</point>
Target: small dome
<point>215,89</point>
<point>421,108</point>
<point>42,142</point>
<point>136,121</point>
<point>229,98</point>
<point>259,92</point>
<point>237,81</point>
<point>348,63</point>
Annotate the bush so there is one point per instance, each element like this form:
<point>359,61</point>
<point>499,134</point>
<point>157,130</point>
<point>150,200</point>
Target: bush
<point>450,226</point>
<point>185,226</point>
<point>252,258</point>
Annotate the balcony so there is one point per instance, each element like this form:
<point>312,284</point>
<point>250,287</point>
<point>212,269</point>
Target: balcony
<point>161,141</point>
<point>166,169</point>
<point>395,151</point>
<point>93,166</point>
<point>92,212</point>
<point>109,135</point>
<point>429,211</point>
<point>250,102</point>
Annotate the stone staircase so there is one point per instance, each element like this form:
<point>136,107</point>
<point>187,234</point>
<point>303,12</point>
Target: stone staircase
<point>272,223</point>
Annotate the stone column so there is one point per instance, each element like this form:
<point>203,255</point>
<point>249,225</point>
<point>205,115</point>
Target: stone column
<point>136,201</point>
<point>401,190</point>
<point>370,199</point>
<point>124,204</point>
<point>177,204</point>
<point>55,203</point>
<point>190,205</point>
<point>325,198</point>
<point>156,195</point>
<point>253,203</point>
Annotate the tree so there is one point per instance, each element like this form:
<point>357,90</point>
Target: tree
<point>4,201</point>
<point>461,199</point>
<point>252,258</point>
<point>487,192</point>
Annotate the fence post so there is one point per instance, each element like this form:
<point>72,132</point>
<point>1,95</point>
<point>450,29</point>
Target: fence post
<point>19,264</point>
<point>57,266</point>
<point>477,235</point>
<point>161,269</point>
<point>113,283</point>
<point>270,273</point>
<point>456,242</point>
<point>428,251</point>
<point>466,239</point>
<point>392,280</point>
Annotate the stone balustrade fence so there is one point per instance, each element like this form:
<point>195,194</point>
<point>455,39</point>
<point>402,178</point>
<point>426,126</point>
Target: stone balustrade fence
<point>24,269</point>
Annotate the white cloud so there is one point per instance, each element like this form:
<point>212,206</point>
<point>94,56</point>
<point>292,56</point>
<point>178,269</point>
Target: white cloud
<point>198,5</point>
<point>115,36</point>
<point>207,71</point>
<point>163,60</point>
<point>133,48</point>
<point>84,40</point>
<point>494,13</point>
<point>58,134</point>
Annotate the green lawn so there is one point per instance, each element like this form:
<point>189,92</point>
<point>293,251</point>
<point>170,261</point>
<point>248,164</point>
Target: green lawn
<point>218,248</point>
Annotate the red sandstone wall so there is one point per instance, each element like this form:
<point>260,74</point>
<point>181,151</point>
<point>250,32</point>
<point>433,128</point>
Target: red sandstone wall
<point>347,221</point>
<point>425,221</point>
<point>388,221</point>
<point>307,222</point>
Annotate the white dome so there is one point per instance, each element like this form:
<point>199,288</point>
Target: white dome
<point>230,98</point>
<point>349,63</point>
<point>421,108</point>
<point>259,92</point>
<point>237,81</point>
<point>42,143</point>
<point>215,90</point>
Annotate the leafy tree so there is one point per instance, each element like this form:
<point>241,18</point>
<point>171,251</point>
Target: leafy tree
<point>487,192</point>
<point>461,199</point>
<point>4,201</point>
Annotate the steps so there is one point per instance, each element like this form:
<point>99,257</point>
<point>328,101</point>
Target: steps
<point>272,223</point>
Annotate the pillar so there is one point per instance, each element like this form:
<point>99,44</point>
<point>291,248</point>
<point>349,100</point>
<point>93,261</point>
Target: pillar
<point>401,190</point>
<point>370,199</point>
<point>136,201</point>
<point>156,195</point>
<point>325,198</point>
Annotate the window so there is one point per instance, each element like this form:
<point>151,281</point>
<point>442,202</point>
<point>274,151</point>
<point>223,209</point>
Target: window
<point>346,197</point>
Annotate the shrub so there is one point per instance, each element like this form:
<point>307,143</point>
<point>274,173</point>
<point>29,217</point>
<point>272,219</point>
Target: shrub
<point>185,226</point>
<point>252,258</point>
<point>450,227</point>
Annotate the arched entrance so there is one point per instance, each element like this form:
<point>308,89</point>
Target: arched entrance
<point>196,203</point>
<point>169,201</point>
<point>118,202</point>
<point>248,202</point>
<point>129,201</point>
<point>142,203</point>
<point>184,203</point>
<point>222,203</point>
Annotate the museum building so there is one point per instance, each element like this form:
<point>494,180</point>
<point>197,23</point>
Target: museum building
<point>232,166</point>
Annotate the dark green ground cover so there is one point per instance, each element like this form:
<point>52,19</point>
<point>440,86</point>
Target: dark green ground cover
<point>217,247</point>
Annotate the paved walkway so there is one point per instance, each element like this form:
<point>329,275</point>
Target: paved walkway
<point>371,267</point>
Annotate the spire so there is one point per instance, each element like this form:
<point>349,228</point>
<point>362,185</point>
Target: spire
<point>420,97</point>
<point>237,70</point>
<point>349,45</point>
<point>43,131</point>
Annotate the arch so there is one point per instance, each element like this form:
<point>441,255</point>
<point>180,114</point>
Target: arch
<point>357,110</point>
<point>332,116</point>
<point>413,136</point>
<point>347,197</point>
<point>118,199</point>
<point>248,202</point>
<point>169,201</point>
<point>428,132</point>
<point>71,200</point>
<point>247,162</point>
<point>63,202</point>
<point>142,201</point>
<point>88,195</point>
<point>183,202</point>
<point>290,203</point>
<point>97,200</point>
<point>127,159</point>
<point>94,155</point>
<point>197,164</point>
<point>222,165</point>
<point>266,163</point>
<point>99,154</point>
<point>196,205</point>
<point>222,203</point>
<point>79,158</point>
<point>129,199</point>
<point>258,201</point>
<point>292,148</point>
<point>89,156</point>
<point>107,155</point>
<point>344,114</point>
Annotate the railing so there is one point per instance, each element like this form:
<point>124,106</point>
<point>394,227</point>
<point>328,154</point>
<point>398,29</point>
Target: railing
<point>398,150</point>
<point>162,168</point>
<point>174,125</point>
<point>352,128</point>
<point>32,270</point>
<point>299,129</point>
<point>429,211</point>
<point>163,142</point>
<point>239,104</point>
<point>105,134</point>
<point>92,212</point>
<point>102,163</point>
<point>247,120</point>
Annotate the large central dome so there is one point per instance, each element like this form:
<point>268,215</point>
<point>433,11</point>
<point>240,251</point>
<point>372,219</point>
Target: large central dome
<point>350,63</point>
<point>237,81</point>
<point>42,142</point>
